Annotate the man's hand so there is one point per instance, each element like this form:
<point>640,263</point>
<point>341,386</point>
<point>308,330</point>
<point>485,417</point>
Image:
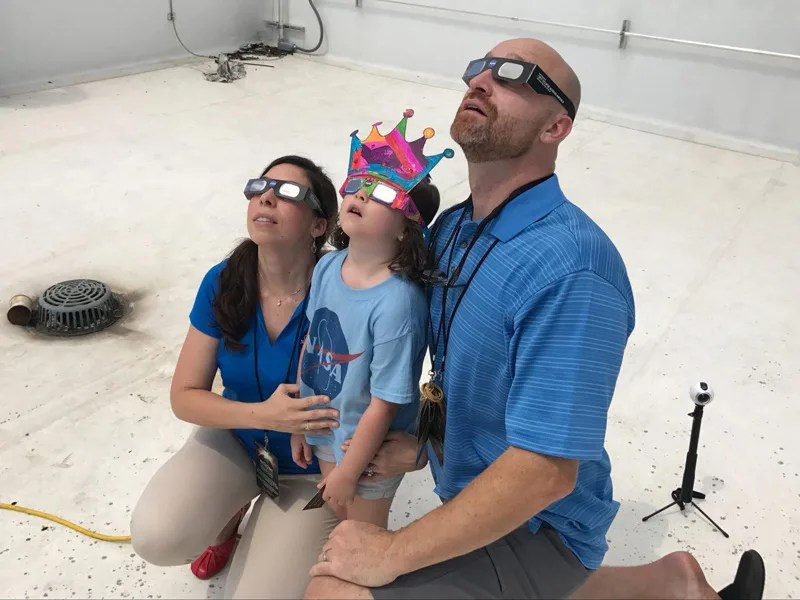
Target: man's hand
<point>360,553</point>
<point>340,488</point>
<point>397,455</point>
<point>301,450</point>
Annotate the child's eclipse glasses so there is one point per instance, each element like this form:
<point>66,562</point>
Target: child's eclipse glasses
<point>382,192</point>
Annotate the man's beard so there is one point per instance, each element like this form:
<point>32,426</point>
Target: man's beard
<point>490,138</point>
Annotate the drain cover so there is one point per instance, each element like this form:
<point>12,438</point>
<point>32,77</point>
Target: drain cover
<point>77,307</point>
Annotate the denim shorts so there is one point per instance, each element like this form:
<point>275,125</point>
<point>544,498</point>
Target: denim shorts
<point>368,490</point>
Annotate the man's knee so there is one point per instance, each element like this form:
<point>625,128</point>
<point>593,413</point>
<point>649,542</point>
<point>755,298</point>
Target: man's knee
<point>322,588</point>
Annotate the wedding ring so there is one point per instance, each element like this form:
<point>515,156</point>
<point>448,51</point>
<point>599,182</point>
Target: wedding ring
<point>370,471</point>
<point>324,556</point>
<point>307,425</point>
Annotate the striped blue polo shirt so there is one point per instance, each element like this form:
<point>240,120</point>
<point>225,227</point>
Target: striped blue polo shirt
<point>534,351</point>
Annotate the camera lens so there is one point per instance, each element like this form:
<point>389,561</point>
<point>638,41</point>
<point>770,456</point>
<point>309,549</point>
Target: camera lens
<point>702,398</point>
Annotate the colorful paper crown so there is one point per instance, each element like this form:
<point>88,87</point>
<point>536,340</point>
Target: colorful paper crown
<point>391,157</point>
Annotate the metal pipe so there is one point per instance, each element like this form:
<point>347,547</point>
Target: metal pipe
<point>280,19</point>
<point>617,32</point>
<point>515,19</point>
<point>715,46</point>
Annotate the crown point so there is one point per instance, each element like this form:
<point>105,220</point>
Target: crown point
<point>428,133</point>
<point>449,153</point>
<point>408,113</point>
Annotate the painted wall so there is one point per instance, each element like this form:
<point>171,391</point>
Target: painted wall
<point>44,41</point>
<point>718,97</point>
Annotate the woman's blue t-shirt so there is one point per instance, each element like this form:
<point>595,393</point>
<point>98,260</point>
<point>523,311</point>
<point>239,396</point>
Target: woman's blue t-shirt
<point>238,369</point>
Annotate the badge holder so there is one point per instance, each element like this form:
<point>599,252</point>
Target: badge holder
<point>267,470</point>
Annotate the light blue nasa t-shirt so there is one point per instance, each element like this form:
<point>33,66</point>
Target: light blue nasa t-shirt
<point>363,343</point>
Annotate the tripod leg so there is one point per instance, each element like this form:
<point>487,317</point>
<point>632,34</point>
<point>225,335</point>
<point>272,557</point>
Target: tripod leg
<point>659,510</point>
<point>712,521</point>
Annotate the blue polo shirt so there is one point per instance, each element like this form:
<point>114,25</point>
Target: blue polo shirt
<point>238,368</point>
<point>534,352</point>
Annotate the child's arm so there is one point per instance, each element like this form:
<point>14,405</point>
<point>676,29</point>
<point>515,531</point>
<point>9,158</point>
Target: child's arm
<point>398,333</point>
<point>368,437</point>
<point>341,484</point>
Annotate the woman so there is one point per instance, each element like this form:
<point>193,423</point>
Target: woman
<point>247,322</point>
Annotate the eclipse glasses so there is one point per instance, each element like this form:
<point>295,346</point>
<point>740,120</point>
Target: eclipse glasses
<point>287,190</point>
<point>517,71</point>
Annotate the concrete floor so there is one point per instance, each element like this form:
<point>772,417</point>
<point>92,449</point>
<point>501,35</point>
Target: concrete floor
<point>137,182</point>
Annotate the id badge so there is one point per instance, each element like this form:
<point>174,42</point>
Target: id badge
<point>267,471</point>
<point>316,501</point>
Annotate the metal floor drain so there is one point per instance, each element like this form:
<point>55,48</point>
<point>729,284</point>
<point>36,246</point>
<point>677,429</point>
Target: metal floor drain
<point>77,307</point>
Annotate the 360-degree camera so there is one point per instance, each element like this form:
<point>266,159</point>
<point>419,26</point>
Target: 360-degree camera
<point>701,393</point>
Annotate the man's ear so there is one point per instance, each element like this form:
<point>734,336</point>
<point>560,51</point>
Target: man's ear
<point>559,129</point>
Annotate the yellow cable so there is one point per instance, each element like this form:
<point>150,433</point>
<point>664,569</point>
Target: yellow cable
<point>60,521</point>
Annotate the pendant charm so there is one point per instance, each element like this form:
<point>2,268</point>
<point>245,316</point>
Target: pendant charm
<point>432,416</point>
<point>280,302</point>
<point>432,393</point>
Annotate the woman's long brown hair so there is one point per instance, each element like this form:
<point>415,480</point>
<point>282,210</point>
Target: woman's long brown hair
<point>237,299</point>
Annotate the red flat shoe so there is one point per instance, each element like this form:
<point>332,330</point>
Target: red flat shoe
<point>214,559</point>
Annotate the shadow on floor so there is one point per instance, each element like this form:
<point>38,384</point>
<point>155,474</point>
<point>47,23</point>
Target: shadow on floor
<point>44,99</point>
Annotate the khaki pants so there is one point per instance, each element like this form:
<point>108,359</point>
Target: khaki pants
<point>191,498</point>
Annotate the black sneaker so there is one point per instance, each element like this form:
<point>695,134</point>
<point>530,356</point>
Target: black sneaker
<point>749,581</point>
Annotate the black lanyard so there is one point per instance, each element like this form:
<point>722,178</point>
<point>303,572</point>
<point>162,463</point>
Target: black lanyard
<point>297,336</point>
<point>445,324</point>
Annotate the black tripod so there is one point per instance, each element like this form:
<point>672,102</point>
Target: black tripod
<point>685,494</point>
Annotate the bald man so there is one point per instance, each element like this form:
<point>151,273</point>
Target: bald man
<point>530,318</point>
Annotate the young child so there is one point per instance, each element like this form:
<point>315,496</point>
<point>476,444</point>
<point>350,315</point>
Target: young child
<point>368,314</point>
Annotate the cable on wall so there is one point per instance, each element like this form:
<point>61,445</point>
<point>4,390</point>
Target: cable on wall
<point>178,37</point>
<point>321,31</point>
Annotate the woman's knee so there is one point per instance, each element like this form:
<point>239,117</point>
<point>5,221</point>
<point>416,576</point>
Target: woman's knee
<point>162,539</point>
<point>188,501</point>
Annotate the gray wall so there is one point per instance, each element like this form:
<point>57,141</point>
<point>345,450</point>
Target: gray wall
<point>708,95</point>
<point>69,41</point>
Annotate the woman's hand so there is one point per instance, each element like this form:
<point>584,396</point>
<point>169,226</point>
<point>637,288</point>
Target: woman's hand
<point>397,455</point>
<point>283,412</point>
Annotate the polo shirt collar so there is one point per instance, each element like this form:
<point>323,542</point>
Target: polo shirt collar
<point>530,206</point>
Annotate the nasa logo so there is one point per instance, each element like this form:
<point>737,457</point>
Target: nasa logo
<point>327,356</point>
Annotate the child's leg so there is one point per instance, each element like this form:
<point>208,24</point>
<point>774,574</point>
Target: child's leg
<point>370,511</point>
<point>325,467</point>
<point>373,501</point>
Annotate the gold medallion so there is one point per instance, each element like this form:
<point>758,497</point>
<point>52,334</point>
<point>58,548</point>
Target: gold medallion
<point>432,393</point>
